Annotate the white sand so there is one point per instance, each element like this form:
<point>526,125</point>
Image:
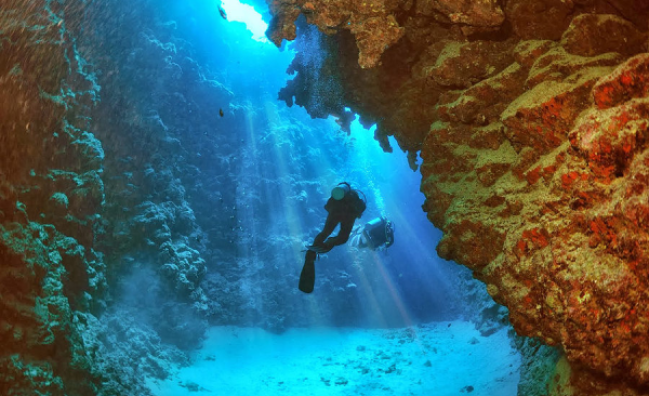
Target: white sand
<point>329,361</point>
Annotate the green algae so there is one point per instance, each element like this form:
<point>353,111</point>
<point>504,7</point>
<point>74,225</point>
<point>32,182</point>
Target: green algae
<point>560,382</point>
<point>38,377</point>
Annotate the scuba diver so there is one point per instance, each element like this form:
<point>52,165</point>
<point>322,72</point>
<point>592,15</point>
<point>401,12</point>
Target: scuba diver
<point>378,234</point>
<point>344,207</point>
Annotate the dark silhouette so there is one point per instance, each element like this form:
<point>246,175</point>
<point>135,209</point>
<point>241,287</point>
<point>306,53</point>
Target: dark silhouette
<point>344,207</point>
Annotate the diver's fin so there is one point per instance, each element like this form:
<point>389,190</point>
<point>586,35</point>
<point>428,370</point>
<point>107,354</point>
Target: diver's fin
<point>307,277</point>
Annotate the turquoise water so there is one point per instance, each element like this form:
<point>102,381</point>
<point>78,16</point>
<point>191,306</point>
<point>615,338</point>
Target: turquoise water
<point>430,359</point>
<point>400,321</point>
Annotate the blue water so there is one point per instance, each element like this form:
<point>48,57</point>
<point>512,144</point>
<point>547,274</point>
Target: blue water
<point>424,360</point>
<point>288,164</point>
<point>280,165</point>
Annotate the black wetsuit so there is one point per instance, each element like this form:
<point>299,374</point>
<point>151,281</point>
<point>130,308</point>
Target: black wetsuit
<point>343,212</point>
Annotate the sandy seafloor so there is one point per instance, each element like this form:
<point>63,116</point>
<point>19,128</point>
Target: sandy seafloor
<point>436,359</point>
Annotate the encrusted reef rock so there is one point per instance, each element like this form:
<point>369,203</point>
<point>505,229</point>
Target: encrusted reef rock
<point>371,22</point>
<point>55,335</point>
<point>157,117</point>
<point>555,229</point>
<point>533,133</point>
<point>50,195</point>
<point>375,23</point>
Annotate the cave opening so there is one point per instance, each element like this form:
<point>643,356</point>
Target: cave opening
<point>378,322</point>
<point>199,180</point>
<point>164,170</point>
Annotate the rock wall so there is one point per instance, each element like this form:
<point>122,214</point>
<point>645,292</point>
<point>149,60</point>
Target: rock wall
<point>102,253</point>
<point>50,194</point>
<point>53,280</point>
<point>152,88</point>
<point>531,119</point>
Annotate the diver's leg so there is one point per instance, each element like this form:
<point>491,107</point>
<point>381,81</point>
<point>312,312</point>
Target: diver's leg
<point>346,226</point>
<point>329,227</point>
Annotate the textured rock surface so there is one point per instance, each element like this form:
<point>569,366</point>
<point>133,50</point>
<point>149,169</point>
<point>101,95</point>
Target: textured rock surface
<point>50,196</point>
<point>154,88</point>
<point>533,165</point>
<point>55,337</point>
<point>53,281</point>
<point>538,366</point>
<point>371,22</point>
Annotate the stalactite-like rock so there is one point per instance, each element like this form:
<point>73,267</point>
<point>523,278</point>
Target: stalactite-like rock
<point>534,166</point>
<point>371,22</point>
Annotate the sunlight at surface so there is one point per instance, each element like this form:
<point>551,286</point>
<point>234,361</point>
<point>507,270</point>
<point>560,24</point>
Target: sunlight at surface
<point>237,12</point>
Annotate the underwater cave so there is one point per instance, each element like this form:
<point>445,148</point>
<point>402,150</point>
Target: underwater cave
<point>170,173</point>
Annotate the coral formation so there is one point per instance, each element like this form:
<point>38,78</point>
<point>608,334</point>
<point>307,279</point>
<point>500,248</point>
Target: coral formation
<point>532,130</point>
<point>82,205</point>
<point>51,193</point>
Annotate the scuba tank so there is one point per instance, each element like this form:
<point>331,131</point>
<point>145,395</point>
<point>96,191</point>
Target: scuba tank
<point>380,233</point>
<point>340,191</point>
<point>344,194</point>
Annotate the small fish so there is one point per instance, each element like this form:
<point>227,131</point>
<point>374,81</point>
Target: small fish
<point>221,112</point>
<point>223,14</point>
